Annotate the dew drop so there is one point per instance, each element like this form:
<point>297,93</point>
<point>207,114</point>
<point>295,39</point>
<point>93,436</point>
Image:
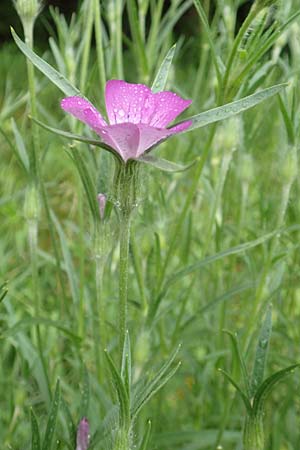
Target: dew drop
<point>121,113</point>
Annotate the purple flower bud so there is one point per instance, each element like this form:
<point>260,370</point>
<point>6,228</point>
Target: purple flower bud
<point>83,435</point>
<point>102,202</point>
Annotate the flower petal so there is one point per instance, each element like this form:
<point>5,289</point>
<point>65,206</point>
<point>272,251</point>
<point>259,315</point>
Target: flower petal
<point>127,102</point>
<point>181,127</point>
<point>136,103</point>
<point>123,137</point>
<point>84,111</point>
<point>149,136</point>
<point>168,106</point>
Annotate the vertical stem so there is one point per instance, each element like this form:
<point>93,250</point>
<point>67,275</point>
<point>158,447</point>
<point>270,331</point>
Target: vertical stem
<point>28,32</point>
<point>100,331</point>
<point>118,31</point>
<point>33,205</point>
<point>99,45</point>
<point>123,277</point>
<point>87,47</point>
<point>253,437</point>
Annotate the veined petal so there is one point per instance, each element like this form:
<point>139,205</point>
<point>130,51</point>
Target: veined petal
<point>84,111</point>
<point>127,102</point>
<point>136,103</point>
<point>123,137</point>
<point>168,106</point>
<point>149,136</point>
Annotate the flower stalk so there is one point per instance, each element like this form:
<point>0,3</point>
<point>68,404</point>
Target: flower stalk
<point>125,185</point>
<point>253,437</point>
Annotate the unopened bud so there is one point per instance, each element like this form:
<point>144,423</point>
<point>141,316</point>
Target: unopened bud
<point>28,10</point>
<point>83,435</point>
<point>101,202</point>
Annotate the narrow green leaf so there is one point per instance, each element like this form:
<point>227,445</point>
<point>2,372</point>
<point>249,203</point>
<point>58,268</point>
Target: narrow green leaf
<point>121,392</point>
<point>266,387</point>
<point>163,164</point>
<point>35,433</point>
<point>75,137</point>
<point>51,424</point>
<point>240,359</point>
<point>231,109</point>
<point>52,74</point>
<point>85,394</point>
<point>239,390</point>
<point>159,380</point>
<point>261,352</point>
<point>20,145</point>
<point>146,437</point>
<point>29,321</point>
<point>161,77</point>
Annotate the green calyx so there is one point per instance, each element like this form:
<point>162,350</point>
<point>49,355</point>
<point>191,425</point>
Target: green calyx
<point>126,182</point>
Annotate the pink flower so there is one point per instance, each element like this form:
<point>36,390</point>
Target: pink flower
<point>83,435</point>
<point>138,118</point>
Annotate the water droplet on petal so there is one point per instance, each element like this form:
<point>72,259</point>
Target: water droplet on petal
<point>121,113</point>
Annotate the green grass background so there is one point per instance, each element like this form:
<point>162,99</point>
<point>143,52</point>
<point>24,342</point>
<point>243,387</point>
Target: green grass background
<point>248,188</point>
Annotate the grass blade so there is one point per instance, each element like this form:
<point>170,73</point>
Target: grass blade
<point>146,438</point>
<point>35,433</point>
<point>121,392</point>
<point>240,359</point>
<point>51,424</point>
<point>239,390</point>
<point>161,77</point>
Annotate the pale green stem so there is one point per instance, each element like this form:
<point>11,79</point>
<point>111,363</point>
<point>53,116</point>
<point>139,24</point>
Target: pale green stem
<point>81,244</point>
<point>123,278</point>
<point>28,32</point>
<point>99,45</point>
<point>119,46</point>
<point>122,441</point>
<point>33,219</point>
<point>87,47</point>
<point>100,316</point>
<point>33,240</point>
<point>253,438</point>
